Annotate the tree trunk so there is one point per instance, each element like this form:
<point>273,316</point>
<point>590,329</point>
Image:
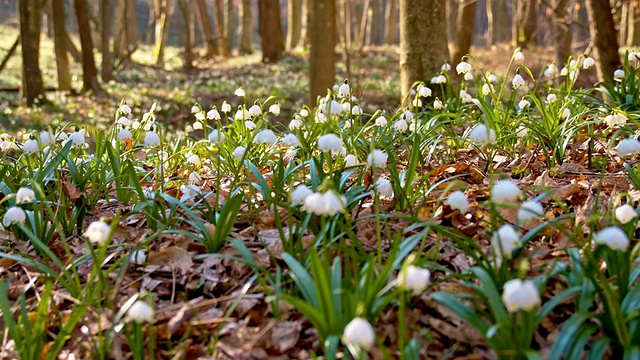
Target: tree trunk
<point>230,21</point>
<point>294,22</point>
<point>453,6</point>
<point>634,26</point>
<point>220,25</point>
<point>270,28</point>
<point>185,9</point>
<point>322,39</point>
<point>423,41</point>
<point>162,12</point>
<point>392,23</point>
<point>60,43</point>
<point>119,20</point>
<point>501,23</point>
<point>246,28</point>
<point>89,70</point>
<point>105,41</point>
<point>491,33</point>
<point>526,32</point>
<point>32,87</point>
<point>204,21</point>
<point>603,34</point>
<point>132,25</point>
<point>304,31</point>
<point>465,24</point>
<point>561,32</point>
<point>378,23</point>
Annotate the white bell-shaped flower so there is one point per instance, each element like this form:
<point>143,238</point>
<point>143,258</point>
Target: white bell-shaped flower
<point>520,295</point>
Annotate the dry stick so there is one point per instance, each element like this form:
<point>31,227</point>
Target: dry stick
<point>361,40</point>
<point>12,50</point>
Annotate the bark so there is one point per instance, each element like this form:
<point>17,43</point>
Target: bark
<point>246,28</point>
<point>491,33</point>
<point>634,26</point>
<point>162,12</point>
<point>211,46</point>
<point>526,32</point>
<point>60,43</point>
<point>270,28</point>
<point>119,28</point>
<point>89,70</point>
<point>220,26</point>
<point>132,25</point>
<point>377,23</point>
<point>322,40</point>
<point>392,23</point>
<point>423,41</point>
<point>561,32</point>
<point>12,50</point>
<point>452,18</point>
<point>105,41</point>
<point>230,21</point>
<point>605,40</point>
<point>32,87</point>
<point>304,31</point>
<point>294,22</point>
<point>501,23</point>
<point>465,24</point>
<point>187,38</point>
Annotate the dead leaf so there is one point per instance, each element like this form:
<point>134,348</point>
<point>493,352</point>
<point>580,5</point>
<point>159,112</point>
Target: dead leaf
<point>285,335</point>
<point>70,191</point>
<point>175,258</point>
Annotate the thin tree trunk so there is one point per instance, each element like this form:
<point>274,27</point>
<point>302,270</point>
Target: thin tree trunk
<point>204,21</point>
<point>304,31</point>
<point>392,23</point>
<point>32,87</point>
<point>73,50</point>
<point>230,21</point>
<point>119,20</point>
<point>12,50</point>
<point>491,35</point>
<point>294,22</point>
<point>377,24</point>
<point>562,32</point>
<point>270,27</point>
<point>603,34</point>
<point>423,41</point>
<point>501,21</point>
<point>132,25</point>
<point>60,43</point>
<point>185,9</point>
<point>220,26</point>
<point>465,24</point>
<point>161,29</point>
<point>105,42</point>
<point>89,70</point>
<point>322,39</point>
<point>246,28</point>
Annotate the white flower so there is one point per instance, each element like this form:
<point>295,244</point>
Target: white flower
<point>199,116</point>
<point>291,140</point>
<point>334,108</point>
<point>350,160</point>
<point>265,136</point>
<point>550,70</point>
<point>487,89</point>
<point>504,241</point>
<point>424,91</point>
<point>346,107</point>
<point>520,295</point>
<point>618,74</point>
<point>295,124</point>
<point>328,203</point>
<point>505,191</point>
<point>304,113</point>
<point>151,139</point>
<point>98,232</point>
<point>359,332</point>
<point>518,55</point>
<point>437,104</point>
<point>551,98</point>
<point>14,215</point>
<point>194,159</point>
<point>189,128</point>
<point>613,237</point>
<point>197,126</point>
<point>329,142</point>
<point>255,110</point>
<point>25,195</point>
<point>141,312</point>
<point>299,194</point>
<point>138,256</point>
<point>518,81</point>
<point>440,79</point>
<point>321,118</point>
<point>530,210</point>
<point>633,56</point>
<point>564,71</point>
<point>226,107</point>
<point>523,104</point>
<point>238,153</point>
<point>356,111</point>
<point>468,76</point>
<point>414,278</point>
<point>491,78</point>
<point>377,158</point>
<point>445,67</point>
<point>124,134</point>
<point>588,62</point>
<point>615,119</point>
<point>465,97</point>
<point>457,200</point>
<point>213,114</point>
<point>195,109</point>
<point>239,92</point>
<point>189,192</point>
<point>344,90</point>
<point>384,187</point>
<point>628,146</point>
<point>274,109</point>
<point>125,109</point>
<point>242,114</point>
<point>417,103</point>
<point>216,136</point>
<point>573,63</point>
<point>566,113</point>
<point>625,213</point>
<point>463,67</point>
<point>46,138</point>
<point>382,121</point>
<point>482,135</point>
<point>30,147</point>
<point>195,178</point>
<point>401,125</point>
<point>77,137</point>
